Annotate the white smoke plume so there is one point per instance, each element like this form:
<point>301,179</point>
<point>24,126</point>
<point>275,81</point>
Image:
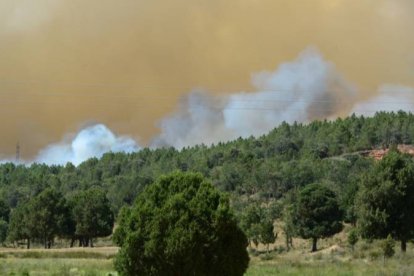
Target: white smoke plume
<point>92,141</point>
<point>305,89</point>
<point>199,119</point>
<point>390,98</point>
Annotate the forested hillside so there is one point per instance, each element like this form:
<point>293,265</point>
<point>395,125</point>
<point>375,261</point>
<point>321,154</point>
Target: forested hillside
<point>258,170</point>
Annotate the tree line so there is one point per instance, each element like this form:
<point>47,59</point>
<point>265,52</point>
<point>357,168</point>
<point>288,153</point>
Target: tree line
<point>257,172</point>
<point>86,215</point>
<point>382,207</point>
<point>182,225</point>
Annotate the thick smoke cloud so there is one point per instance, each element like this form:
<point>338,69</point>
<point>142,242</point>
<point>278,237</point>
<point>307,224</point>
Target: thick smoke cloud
<point>302,90</point>
<point>90,142</point>
<point>126,63</point>
<point>305,89</point>
<point>199,119</point>
<point>390,98</point>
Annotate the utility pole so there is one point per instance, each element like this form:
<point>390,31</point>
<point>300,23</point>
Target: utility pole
<point>17,153</point>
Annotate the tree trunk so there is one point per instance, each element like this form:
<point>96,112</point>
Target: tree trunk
<point>403,246</point>
<point>91,242</point>
<point>314,241</point>
<point>287,242</point>
<point>28,243</point>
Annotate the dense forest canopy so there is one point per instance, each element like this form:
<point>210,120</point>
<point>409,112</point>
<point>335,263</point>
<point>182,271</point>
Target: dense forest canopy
<point>257,168</point>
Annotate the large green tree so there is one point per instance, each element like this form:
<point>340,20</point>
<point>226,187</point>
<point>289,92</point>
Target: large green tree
<point>92,215</point>
<point>386,199</point>
<point>41,218</point>
<point>257,223</point>
<point>181,225</point>
<point>19,226</point>
<point>317,213</point>
<point>4,211</point>
<point>46,214</point>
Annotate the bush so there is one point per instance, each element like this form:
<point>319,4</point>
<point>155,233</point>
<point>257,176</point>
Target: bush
<point>3,230</point>
<point>388,247</point>
<point>267,256</point>
<point>181,225</point>
<point>373,255</point>
<point>352,238</point>
<point>317,213</point>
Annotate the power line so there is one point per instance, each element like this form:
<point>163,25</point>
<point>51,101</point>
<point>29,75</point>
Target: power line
<point>327,110</point>
<point>230,105</point>
<point>234,98</point>
<point>136,85</point>
<point>230,101</point>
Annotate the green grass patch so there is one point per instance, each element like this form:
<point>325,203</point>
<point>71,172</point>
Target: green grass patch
<point>53,266</point>
<point>295,262</point>
<point>57,255</point>
<point>328,268</point>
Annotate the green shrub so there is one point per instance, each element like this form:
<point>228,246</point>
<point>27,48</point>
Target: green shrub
<point>267,256</point>
<point>387,247</point>
<point>352,238</point>
<point>374,255</point>
<point>181,225</point>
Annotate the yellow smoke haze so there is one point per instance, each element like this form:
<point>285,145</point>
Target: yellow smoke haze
<point>64,63</point>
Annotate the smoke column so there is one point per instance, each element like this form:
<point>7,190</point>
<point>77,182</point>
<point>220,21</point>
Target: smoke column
<point>389,98</point>
<point>90,142</point>
<point>305,89</point>
<point>65,62</point>
<point>302,90</point>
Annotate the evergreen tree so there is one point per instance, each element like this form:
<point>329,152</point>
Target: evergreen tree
<point>92,215</point>
<point>181,225</point>
<point>267,234</point>
<point>386,199</point>
<point>317,214</point>
<point>352,238</point>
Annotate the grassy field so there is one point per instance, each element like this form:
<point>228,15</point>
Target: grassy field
<point>333,258</point>
<point>53,266</point>
<point>279,265</point>
<point>70,261</point>
<point>332,265</point>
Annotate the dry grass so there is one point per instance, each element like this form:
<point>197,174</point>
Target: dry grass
<point>60,261</point>
<point>74,253</point>
<point>61,266</point>
<point>333,258</point>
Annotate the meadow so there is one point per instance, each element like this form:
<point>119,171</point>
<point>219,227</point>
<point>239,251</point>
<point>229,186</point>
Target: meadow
<point>333,258</point>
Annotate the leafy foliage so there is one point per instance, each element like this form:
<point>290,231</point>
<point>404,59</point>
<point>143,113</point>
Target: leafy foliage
<point>267,233</point>
<point>317,214</point>
<point>353,237</point>
<point>386,199</point>
<point>266,169</point>
<point>388,247</point>
<point>257,222</point>
<point>92,215</point>
<point>181,225</point>
<point>3,230</point>
<point>46,216</point>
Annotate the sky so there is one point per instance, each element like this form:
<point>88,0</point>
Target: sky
<point>129,65</point>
